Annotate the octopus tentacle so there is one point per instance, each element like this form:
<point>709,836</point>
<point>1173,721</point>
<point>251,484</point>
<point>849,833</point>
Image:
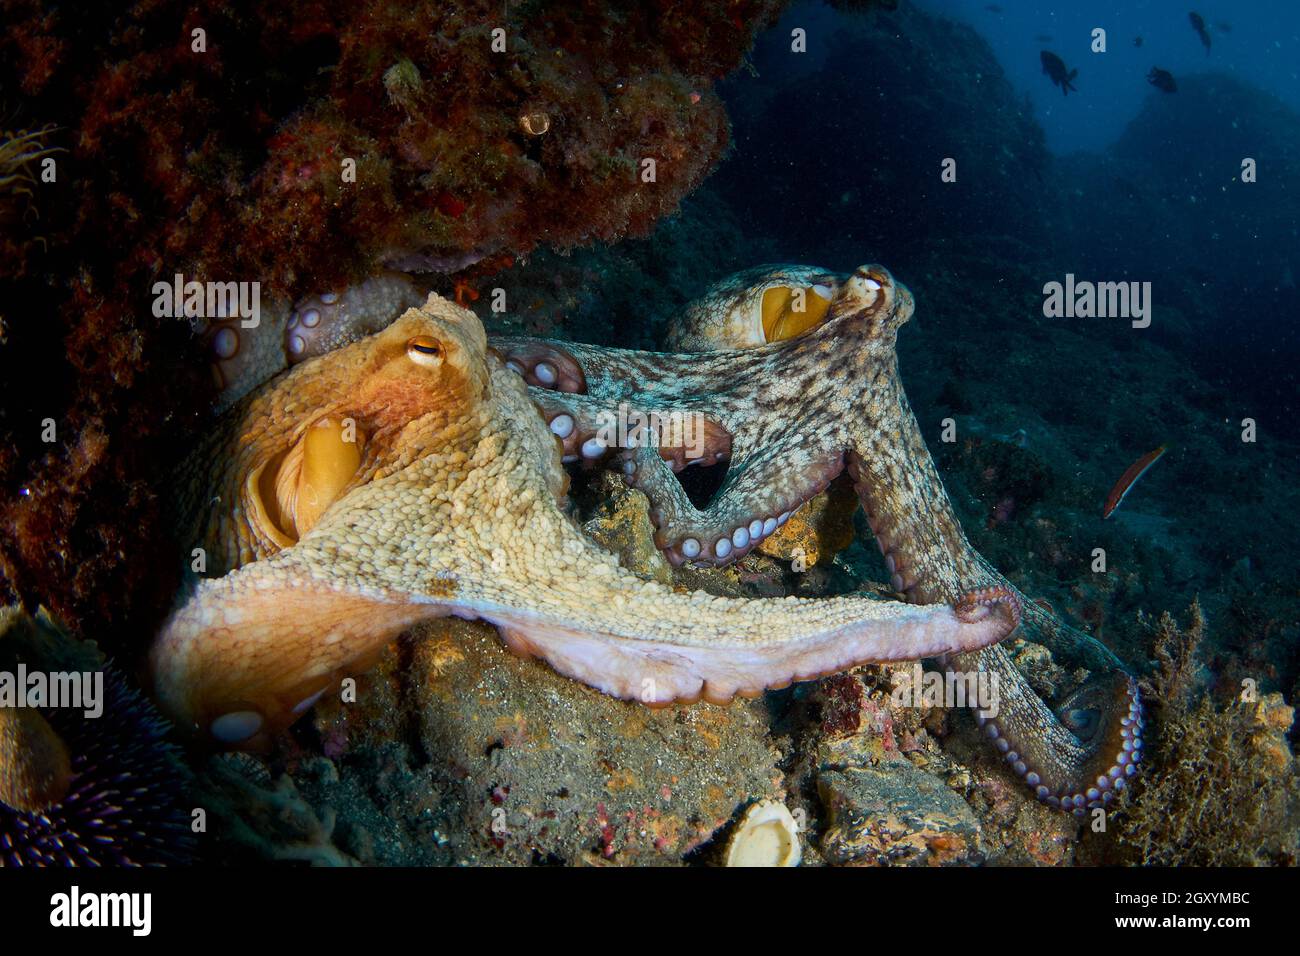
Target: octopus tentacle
<point>972,605</point>
<point>544,365</point>
<point>841,381</point>
<point>929,559</point>
<point>589,432</point>
<point>575,421</point>
<point>243,357</point>
<point>237,662</point>
<point>1078,758</point>
<point>758,496</point>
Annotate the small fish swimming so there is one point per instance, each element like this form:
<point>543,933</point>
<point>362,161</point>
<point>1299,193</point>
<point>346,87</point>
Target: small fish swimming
<point>1129,479</point>
<point>1223,26</point>
<point>1199,26</point>
<point>1054,67</point>
<point>1137,41</point>
<point>1044,38</point>
<point>1162,80</point>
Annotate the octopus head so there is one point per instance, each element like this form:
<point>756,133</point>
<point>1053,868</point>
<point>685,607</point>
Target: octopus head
<point>348,417</point>
<point>789,309</point>
<point>774,304</point>
<point>756,307</point>
<point>874,295</point>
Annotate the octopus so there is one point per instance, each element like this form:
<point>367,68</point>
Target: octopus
<point>789,377</point>
<point>409,475</point>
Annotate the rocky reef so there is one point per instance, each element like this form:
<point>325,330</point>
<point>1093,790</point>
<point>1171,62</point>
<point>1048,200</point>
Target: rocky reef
<point>436,137</point>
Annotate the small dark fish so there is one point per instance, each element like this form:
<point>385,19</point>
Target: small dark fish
<point>993,8</point>
<point>1223,26</point>
<point>1162,80</point>
<point>1054,67</point>
<point>1199,26</point>
<point>1137,41</point>
<point>1044,38</point>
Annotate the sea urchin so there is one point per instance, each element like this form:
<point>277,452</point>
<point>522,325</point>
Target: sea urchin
<point>122,805</point>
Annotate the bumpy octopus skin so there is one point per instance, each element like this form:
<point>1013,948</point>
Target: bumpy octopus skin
<point>791,412</point>
<point>446,499</point>
<point>787,414</point>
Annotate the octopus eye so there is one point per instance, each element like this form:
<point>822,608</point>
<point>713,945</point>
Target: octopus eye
<point>790,312</point>
<point>423,350</point>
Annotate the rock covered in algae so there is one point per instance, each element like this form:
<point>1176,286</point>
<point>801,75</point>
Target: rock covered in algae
<point>543,767</point>
<point>818,530</point>
<point>1272,717</point>
<point>35,768</point>
<point>894,814</point>
<point>621,525</point>
<point>1223,788</point>
<point>457,752</point>
<point>255,818</point>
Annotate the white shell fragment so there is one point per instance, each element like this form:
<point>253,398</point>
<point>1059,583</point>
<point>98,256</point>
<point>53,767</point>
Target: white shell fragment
<point>766,835</point>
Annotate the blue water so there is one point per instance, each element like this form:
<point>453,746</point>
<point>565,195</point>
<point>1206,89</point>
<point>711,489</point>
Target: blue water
<point>1262,49</point>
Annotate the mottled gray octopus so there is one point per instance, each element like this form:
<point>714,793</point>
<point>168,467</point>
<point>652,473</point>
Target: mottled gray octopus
<point>793,373</point>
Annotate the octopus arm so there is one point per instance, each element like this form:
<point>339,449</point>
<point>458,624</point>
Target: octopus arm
<point>1077,756</point>
<point>763,487</point>
<point>248,653</point>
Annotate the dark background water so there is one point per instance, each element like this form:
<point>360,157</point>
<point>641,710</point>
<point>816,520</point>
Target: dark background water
<point>837,160</point>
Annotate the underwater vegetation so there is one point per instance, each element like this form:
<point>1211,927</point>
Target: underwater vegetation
<point>1224,787</point>
<point>20,151</point>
